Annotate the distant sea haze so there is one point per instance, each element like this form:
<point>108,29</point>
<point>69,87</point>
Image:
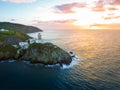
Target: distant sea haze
<point>98,70</point>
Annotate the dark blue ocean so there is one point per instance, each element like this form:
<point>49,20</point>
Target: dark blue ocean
<point>97,69</point>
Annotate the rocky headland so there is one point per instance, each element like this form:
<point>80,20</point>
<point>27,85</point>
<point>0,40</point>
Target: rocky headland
<point>46,53</point>
<point>43,53</point>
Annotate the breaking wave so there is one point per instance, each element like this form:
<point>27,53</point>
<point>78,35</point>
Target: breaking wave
<point>74,62</point>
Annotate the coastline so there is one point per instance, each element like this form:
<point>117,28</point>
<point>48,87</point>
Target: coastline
<point>44,53</point>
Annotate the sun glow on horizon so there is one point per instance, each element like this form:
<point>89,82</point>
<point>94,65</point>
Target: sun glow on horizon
<point>95,28</point>
<point>85,18</point>
<point>63,14</point>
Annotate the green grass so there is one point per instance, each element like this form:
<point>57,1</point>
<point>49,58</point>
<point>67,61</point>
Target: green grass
<point>12,33</point>
<point>8,48</point>
<point>18,27</point>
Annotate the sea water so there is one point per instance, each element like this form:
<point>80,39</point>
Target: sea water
<point>97,69</point>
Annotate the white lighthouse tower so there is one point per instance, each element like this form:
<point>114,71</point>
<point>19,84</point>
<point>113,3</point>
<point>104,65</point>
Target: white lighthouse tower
<point>39,36</point>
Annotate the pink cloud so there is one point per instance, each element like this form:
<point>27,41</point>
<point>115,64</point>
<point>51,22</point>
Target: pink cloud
<point>111,2</point>
<point>99,6</point>
<point>19,1</point>
<point>114,2</point>
<point>67,8</point>
<point>56,21</point>
<point>98,9</point>
<point>55,24</point>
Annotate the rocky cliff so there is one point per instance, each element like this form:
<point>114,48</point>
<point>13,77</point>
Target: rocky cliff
<point>47,54</point>
<point>37,53</point>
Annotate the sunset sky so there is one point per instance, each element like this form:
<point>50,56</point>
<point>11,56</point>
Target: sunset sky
<point>62,14</point>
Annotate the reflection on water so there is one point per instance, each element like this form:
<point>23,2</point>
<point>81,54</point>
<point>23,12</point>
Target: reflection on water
<point>100,51</point>
<point>99,70</point>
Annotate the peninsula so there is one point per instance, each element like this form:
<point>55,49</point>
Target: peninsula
<point>16,44</point>
<point>19,27</point>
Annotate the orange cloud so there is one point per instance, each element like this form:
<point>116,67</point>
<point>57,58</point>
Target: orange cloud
<point>112,8</point>
<point>98,9</point>
<point>67,8</point>
<point>112,17</point>
<point>108,26</point>
<point>19,1</point>
<point>56,24</point>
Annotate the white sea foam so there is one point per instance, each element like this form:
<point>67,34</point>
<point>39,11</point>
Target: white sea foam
<point>53,65</point>
<point>74,62</point>
<point>26,62</point>
<point>11,61</point>
<point>2,61</point>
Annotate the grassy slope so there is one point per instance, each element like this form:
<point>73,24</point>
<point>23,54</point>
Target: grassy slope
<point>12,33</point>
<point>8,52</point>
<point>19,27</point>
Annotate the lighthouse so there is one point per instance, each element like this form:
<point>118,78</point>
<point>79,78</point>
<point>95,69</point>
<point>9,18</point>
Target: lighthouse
<point>39,36</point>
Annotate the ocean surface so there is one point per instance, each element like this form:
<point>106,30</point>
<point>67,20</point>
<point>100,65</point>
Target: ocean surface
<point>97,69</point>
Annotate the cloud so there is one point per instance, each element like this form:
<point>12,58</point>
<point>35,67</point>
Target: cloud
<point>111,17</point>
<point>114,2</point>
<point>110,2</point>
<point>98,6</point>
<point>67,8</point>
<point>56,24</point>
<point>107,26</point>
<point>69,21</point>
<point>98,9</point>
<point>112,8</point>
<point>19,1</point>
<point>12,19</point>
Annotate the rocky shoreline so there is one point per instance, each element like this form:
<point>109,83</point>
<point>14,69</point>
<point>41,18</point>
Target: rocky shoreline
<point>43,53</point>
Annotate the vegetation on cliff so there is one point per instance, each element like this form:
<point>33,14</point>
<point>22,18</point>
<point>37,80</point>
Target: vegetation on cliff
<point>12,37</point>
<point>8,52</point>
<point>19,27</point>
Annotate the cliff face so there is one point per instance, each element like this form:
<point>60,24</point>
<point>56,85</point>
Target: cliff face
<point>37,53</point>
<point>19,27</point>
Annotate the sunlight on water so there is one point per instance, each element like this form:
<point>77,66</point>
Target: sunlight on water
<point>97,69</point>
